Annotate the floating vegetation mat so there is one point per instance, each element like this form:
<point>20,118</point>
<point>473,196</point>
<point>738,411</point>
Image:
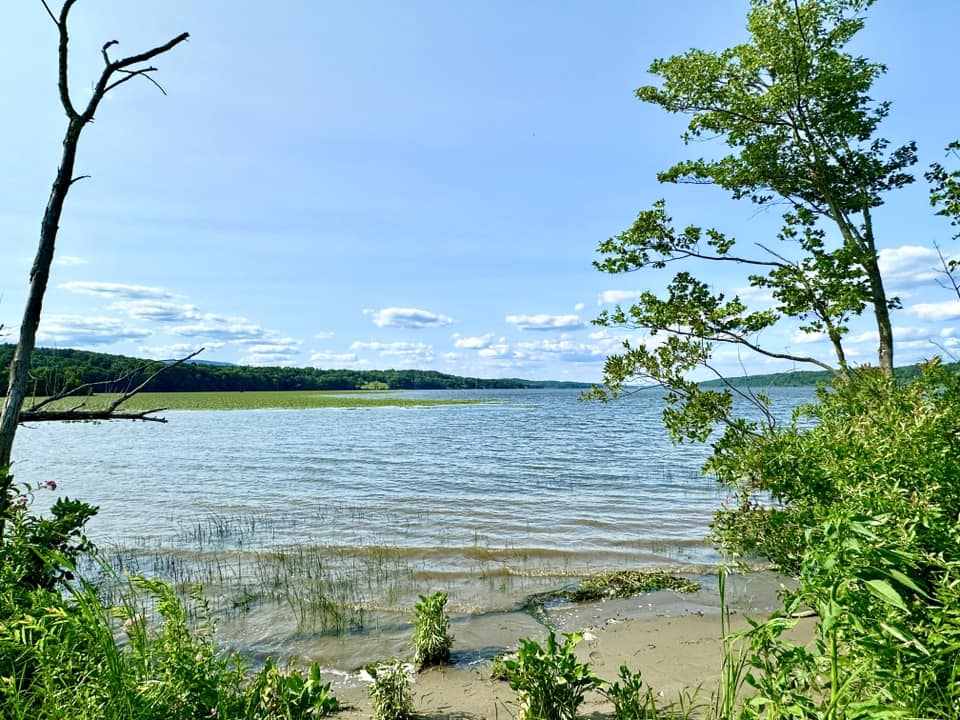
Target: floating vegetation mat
<point>618,584</point>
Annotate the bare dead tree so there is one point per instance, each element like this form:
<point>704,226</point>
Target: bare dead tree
<point>37,413</point>
<point>114,73</point>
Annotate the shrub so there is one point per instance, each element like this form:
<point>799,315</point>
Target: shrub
<point>284,693</point>
<point>390,690</point>
<point>866,486</point>
<point>431,633</point>
<point>550,682</point>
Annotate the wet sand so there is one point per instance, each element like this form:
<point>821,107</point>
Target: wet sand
<point>677,647</point>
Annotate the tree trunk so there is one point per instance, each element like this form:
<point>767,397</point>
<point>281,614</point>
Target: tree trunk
<point>39,275</point>
<point>882,312</point>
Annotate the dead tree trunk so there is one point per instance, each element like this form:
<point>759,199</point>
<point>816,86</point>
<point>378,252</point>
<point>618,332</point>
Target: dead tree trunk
<point>114,73</point>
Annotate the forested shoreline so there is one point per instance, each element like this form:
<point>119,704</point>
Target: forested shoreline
<point>52,370</point>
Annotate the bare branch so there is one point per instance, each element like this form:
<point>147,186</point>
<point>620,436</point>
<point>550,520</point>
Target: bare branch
<point>149,54</point>
<point>144,74</point>
<point>746,394</point>
<point>89,416</point>
<point>131,74</point>
<point>104,84</point>
<point>36,414</point>
<point>50,13</point>
<point>78,178</point>
<point>63,81</point>
<point>72,392</point>
<point>948,271</point>
<point>130,393</point>
<point>107,46</point>
<point>732,338</point>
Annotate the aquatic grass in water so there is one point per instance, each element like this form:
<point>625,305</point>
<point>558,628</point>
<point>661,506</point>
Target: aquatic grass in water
<point>259,400</point>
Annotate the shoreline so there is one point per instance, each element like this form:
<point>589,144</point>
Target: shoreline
<point>679,654</point>
<point>673,639</point>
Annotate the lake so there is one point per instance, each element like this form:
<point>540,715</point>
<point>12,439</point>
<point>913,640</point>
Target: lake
<point>313,531</point>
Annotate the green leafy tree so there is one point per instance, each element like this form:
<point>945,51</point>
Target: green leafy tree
<point>794,110</point>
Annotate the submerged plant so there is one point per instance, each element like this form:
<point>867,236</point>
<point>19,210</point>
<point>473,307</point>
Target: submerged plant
<point>431,634</point>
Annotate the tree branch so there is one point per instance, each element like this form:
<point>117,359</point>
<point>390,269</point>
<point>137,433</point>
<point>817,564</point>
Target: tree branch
<point>50,13</point>
<point>129,394</point>
<point>77,415</point>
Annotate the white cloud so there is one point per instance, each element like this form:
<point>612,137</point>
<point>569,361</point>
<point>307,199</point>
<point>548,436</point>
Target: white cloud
<point>324,335</point>
<point>546,322</point>
<point>799,337</point>
<point>472,343</point>
<point>275,349</point>
<point>909,264</point>
<point>563,349</point>
<point>222,328</point>
<point>750,294</point>
<point>405,351</point>
<point>117,290</point>
<point>176,350</point>
<point>615,297</point>
<point>69,261</point>
<point>333,358</point>
<point>948,310</point>
<point>268,359</point>
<point>156,310</point>
<point>407,318</point>
<point>899,333</point>
<point>71,330</point>
<point>578,307</point>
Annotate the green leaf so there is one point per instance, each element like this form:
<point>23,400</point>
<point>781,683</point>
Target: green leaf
<point>883,590</point>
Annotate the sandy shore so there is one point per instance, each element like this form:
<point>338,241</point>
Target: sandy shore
<point>676,653</point>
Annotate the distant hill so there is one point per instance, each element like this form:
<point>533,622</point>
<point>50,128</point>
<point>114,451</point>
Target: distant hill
<point>52,370</point>
<point>805,378</point>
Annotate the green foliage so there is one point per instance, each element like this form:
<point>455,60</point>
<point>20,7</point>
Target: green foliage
<point>63,654</point>
<point>390,691</point>
<point>631,699</point>
<point>867,486</point>
<point>873,446</point>
<point>431,632</point>
<point>28,541</point>
<point>282,694</point>
<point>886,637</point>
<point>550,681</point>
<point>945,190</point>
<point>794,109</point>
<point>54,370</point>
<point>498,665</point>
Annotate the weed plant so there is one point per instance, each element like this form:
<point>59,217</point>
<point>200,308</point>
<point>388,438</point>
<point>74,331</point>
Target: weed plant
<point>550,681</point>
<point>390,690</point>
<point>431,633</point>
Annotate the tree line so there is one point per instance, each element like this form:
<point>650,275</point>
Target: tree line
<point>52,370</point>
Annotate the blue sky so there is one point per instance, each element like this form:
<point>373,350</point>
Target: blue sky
<point>405,185</point>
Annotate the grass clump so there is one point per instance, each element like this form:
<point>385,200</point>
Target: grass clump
<point>390,691</point>
<point>431,634</point>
